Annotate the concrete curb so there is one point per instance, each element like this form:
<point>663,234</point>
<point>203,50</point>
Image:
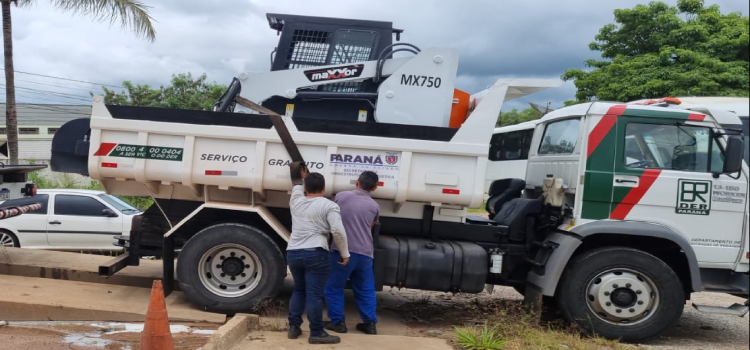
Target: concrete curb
<point>232,332</point>
<point>75,267</point>
<point>42,299</point>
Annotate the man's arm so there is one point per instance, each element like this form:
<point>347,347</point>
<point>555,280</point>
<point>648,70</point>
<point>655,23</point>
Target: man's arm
<point>298,172</point>
<point>377,216</point>
<point>337,230</point>
<point>297,193</point>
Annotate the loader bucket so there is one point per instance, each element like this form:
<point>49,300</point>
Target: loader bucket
<point>70,148</point>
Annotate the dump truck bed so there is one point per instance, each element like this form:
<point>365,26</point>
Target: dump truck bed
<point>236,157</point>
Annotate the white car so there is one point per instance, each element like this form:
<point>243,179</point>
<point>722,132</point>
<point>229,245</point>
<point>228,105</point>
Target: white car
<point>68,220</point>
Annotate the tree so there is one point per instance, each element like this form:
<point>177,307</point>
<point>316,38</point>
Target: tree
<point>131,13</point>
<point>513,116</point>
<point>183,92</point>
<point>657,50</point>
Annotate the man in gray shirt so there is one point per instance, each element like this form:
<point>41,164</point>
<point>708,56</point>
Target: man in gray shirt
<point>359,213</point>
<point>314,217</point>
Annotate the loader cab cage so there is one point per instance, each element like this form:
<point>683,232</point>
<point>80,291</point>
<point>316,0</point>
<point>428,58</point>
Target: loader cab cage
<point>307,41</point>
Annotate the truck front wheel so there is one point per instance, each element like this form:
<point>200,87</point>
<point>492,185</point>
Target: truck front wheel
<point>229,267</point>
<point>621,293</point>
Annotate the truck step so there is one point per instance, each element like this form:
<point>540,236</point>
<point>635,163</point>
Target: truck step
<point>734,310</point>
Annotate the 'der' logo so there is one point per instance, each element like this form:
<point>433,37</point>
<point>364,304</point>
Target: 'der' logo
<point>693,197</point>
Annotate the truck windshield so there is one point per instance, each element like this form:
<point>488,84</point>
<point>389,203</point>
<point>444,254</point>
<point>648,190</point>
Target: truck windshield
<point>118,204</point>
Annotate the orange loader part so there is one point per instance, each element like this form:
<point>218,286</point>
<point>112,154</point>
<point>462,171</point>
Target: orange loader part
<point>156,334</point>
<point>460,109</point>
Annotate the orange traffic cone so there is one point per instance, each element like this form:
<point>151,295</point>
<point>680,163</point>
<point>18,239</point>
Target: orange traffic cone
<point>156,334</point>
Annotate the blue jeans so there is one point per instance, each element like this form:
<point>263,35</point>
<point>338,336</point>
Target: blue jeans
<point>310,269</point>
<point>359,271</point>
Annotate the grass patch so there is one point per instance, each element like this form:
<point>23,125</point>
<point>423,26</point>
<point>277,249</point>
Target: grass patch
<point>515,329</point>
<point>479,210</point>
<point>487,323</point>
<point>484,338</point>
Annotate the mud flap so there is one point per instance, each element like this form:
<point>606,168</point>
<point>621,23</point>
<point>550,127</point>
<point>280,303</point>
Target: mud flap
<point>532,301</point>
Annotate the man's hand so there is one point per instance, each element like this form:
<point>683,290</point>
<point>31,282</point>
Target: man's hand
<point>298,171</point>
<point>344,261</point>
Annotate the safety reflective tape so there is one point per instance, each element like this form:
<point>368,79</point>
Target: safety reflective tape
<point>354,182</point>
<point>221,173</point>
<point>451,191</point>
<point>109,165</point>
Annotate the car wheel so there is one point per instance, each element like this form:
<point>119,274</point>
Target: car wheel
<point>229,267</point>
<point>621,293</point>
<point>8,239</point>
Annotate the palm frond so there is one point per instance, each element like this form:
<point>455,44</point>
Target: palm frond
<point>132,14</point>
<point>23,3</point>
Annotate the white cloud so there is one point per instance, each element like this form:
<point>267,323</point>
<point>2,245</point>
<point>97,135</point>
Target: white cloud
<point>222,37</point>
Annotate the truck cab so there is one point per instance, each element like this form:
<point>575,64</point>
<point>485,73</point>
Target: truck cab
<point>651,195</point>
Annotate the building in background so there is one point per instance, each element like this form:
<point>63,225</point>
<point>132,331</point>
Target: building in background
<point>37,125</point>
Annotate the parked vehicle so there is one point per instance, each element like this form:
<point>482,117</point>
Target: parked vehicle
<point>14,181</point>
<point>509,152</point>
<point>619,243</point>
<point>68,220</point>
<point>14,184</point>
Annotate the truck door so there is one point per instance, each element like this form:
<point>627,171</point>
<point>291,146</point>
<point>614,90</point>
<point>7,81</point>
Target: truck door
<point>663,172</point>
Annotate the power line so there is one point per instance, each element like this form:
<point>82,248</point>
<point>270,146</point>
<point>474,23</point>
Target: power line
<point>67,79</point>
<point>54,85</point>
<point>56,110</point>
<point>50,93</point>
<point>51,109</point>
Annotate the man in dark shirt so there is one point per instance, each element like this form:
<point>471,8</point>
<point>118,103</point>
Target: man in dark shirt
<point>359,213</point>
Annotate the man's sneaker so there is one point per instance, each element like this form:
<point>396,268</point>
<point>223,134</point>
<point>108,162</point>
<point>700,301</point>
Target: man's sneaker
<point>367,328</point>
<point>324,338</point>
<point>294,332</point>
<point>338,328</point>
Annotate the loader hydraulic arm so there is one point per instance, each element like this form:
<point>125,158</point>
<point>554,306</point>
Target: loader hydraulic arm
<point>226,101</point>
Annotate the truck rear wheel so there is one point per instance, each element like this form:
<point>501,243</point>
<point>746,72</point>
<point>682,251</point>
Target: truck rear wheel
<point>621,293</point>
<point>229,267</point>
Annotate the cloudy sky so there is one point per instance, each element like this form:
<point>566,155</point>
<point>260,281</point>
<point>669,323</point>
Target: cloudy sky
<point>495,38</point>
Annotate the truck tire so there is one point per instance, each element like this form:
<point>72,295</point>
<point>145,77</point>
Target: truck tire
<point>621,293</point>
<point>229,267</point>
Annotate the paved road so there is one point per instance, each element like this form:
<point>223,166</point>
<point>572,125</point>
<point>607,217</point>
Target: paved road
<point>700,331</point>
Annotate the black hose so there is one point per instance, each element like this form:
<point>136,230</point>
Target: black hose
<point>387,52</point>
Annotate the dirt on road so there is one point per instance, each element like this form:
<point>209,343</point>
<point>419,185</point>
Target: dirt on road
<point>434,314</point>
<point>90,336</point>
<point>405,312</point>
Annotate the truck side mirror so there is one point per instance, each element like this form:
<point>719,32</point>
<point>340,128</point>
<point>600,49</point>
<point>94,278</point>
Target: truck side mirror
<point>733,155</point>
<point>109,213</point>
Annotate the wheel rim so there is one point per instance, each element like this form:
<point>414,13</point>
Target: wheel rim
<point>6,240</point>
<point>622,296</point>
<point>230,270</point>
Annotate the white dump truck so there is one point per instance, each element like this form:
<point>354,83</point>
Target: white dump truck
<point>620,245</point>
